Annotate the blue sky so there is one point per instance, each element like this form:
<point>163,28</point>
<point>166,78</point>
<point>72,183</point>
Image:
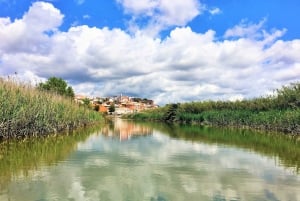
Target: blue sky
<point>165,50</point>
<point>279,14</point>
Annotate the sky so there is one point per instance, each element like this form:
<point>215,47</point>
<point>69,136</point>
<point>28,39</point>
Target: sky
<point>168,51</point>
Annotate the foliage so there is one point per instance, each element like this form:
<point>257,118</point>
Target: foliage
<point>156,114</point>
<point>58,86</point>
<point>112,108</point>
<point>86,102</point>
<point>25,111</point>
<point>142,100</point>
<point>170,115</point>
<point>279,112</point>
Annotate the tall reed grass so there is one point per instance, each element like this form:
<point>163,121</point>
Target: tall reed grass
<point>26,111</point>
<point>279,112</point>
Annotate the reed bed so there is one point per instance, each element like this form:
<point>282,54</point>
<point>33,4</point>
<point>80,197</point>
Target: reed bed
<point>279,112</point>
<point>26,111</point>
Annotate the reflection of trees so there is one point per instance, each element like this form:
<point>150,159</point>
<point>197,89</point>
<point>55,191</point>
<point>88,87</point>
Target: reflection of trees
<point>284,149</point>
<point>125,129</point>
<point>20,158</point>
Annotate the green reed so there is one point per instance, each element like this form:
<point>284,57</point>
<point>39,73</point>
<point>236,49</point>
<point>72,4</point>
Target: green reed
<point>279,112</point>
<point>26,111</point>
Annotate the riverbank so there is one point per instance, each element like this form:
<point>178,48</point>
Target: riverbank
<point>26,111</point>
<point>279,112</point>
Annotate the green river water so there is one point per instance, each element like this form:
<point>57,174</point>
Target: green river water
<point>127,161</point>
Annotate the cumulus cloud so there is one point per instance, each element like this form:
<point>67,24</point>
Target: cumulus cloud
<point>161,14</point>
<point>145,7</point>
<point>184,66</point>
<point>29,34</point>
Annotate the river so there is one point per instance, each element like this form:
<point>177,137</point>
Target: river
<point>123,160</point>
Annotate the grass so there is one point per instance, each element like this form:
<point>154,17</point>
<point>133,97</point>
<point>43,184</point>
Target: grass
<point>279,112</point>
<point>26,111</point>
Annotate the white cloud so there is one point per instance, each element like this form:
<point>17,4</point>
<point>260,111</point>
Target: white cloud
<point>184,66</point>
<point>28,34</point>
<point>161,14</point>
<point>142,7</point>
<point>86,17</point>
<point>178,12</point>
<point>215,11</point>
<point>245,29</point>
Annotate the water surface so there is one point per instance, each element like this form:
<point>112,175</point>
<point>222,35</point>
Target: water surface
<point>130,161</point>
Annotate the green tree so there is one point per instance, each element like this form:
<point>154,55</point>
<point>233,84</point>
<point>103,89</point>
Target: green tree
<point>170,115</point>
<point>112,108</point>
<point>57,85</point>
<point>86,101</point>
<point>70,92</point>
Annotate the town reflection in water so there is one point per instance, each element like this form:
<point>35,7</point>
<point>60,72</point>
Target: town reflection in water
<point>125,130</point>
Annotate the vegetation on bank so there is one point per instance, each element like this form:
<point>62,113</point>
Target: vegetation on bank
<point>279,112</point>
<point>27,111</point>
<point>58,86</point>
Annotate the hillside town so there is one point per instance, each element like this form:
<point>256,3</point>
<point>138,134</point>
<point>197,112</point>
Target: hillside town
<point>117,105</point>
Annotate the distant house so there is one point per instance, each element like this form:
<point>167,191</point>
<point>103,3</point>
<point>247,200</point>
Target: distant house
<point>123,99</point>
<point>80,98</point>
<point>103,108</point>
<point>123,104</point>
<point>123,110</point>
<point>130,106</point>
